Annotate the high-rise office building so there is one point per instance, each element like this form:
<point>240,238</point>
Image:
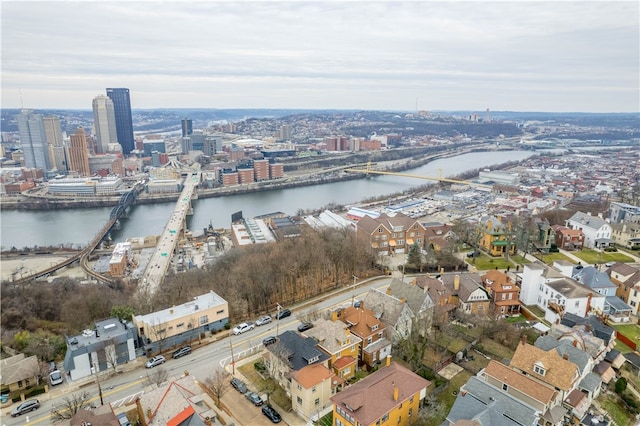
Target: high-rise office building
<point>187,127</point>
<point>34,140</point>
<point>124,120</point>
<point>79,153</point>
<point>55,142</point>
<point>104,123</point>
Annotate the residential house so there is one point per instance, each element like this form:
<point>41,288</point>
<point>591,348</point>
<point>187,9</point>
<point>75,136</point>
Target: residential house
<point>437,235</point>
<point>335,339</point>
<point>598,281</point>
<point>503,291</point>
<point>626,235</point>
<point>480,403</point>
<point>177,402</point>
<point>393,312</point>
<point>578,403</point>
<point>627,280</point>
<point>615,358</point>
<point>390,234</point>
<point>567,350</point>
<point>292,352</point>
<point>623,212</point>
<point>311,389</point>
<point>541,396</point>
<point>568,239</point>
<point>443,301</point>
<point>605,371</point>
<point>419,301</point>
<point>364,323</point>
<point>580,336</point>
<point>389,396</point>
<point>179,324</point>
<point>594,325</point>
<point>496,238</point>
<point>19,373</point>
<point>546,367</point>
<point>472,297</point>
<point>545,236</point>
<point>109,344</point>
<point>597,232</point>
<point>556,294</point>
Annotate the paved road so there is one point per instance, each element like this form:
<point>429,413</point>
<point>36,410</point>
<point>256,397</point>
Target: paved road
<point>202,363</point>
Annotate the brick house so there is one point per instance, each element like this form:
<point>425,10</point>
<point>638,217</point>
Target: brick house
<point>367,326</point>
<point>390,234</point>
<point>503,291</point>
<point>567,238</point>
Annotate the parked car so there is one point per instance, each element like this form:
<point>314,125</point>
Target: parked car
<point>123,419</point>
<point>241,328</point>
<point>25,407</point>
<point>269,340</point>
<point>254,398</point>
<point>55,377</point>
<point>283,314</point>
<point>609,264</point>
<point>305,326</point>
<point>263,320</point>
<point>185,350</point>
<point>271,413</point>
<point>474,253</point>
<point>156,360</point>
<point>239,385</point>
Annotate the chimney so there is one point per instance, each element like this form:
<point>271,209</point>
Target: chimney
<point>565,357</point>
<point>396,391</point>
<point>463,392</point>
<point>523,340</point>
<point>149,413</point>
<point>141,417</point>
<point>334,315</point>
<point>402,300</point>
<point>442,270</point>
<point>389,291</point>
<point>388,361</point>
<point>456,282</point>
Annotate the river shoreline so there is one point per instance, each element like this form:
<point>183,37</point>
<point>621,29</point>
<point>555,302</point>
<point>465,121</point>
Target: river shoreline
<point>312,178</point>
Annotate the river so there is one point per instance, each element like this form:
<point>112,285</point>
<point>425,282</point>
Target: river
<point>77,227</point>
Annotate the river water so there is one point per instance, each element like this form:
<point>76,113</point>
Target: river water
<point>78,226</point>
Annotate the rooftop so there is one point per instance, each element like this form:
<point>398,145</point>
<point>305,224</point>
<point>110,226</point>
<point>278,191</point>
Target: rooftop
<point>199,303</point>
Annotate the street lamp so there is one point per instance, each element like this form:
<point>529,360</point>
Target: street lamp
<point>278,320</point>
<point>233,363</point>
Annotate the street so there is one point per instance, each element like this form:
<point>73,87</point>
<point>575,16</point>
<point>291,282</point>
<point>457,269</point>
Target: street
<point>122,388</point>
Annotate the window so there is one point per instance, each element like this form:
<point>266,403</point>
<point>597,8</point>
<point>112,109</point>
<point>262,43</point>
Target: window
<point>504,296</point>
<point>19,383</point>
<point>400,242</point>
<point>379,229</point>
<point>505,387</point>
<point>410,412</point>
<point>374,327</point>
<point>313,389</point>
<point>346,371</point>
<point>180,325</point>
<point>221,311</point>
<point>394,235</point>
<point>299,400</point>
<point>577,304</point>
<point>385,418</point>
<point>204,319</point>
<point>539,369</point>
<point>299,387</point>
<point>380,335</point>
<point>369,340</point>
<point>399,419</point>
<point>317,401</point>
<point>411,400</point>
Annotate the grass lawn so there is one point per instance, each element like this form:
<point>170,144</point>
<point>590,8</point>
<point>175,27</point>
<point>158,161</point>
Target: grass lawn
<point>632,331</point>
<point>617,413</point>
<point>485,263</point>
<point>452,343</point>
<point>474,332</point>
<point>552,257</point>
<point>279,396</point>
<point>519,260</point>
<point>516,319</point>
<point>535,310</point>
<point>593,257</point>
<point>447,398</point>
<point>624,349</point>
<point>495,348</point>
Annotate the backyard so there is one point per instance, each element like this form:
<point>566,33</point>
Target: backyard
<point>278,396</point>
<point>549,258</point>
<point>593,257</point>
<point>632,331</point>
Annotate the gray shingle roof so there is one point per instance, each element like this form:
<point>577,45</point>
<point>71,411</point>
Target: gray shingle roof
<point>564,347</point>
<point>591,382</point>
<point>302,349</point>
<point>478,400</point>
<point>587,221</point>
<point>598,328</point>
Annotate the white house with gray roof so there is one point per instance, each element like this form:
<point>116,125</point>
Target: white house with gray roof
<point>597,232</point>
<point>393,311</point>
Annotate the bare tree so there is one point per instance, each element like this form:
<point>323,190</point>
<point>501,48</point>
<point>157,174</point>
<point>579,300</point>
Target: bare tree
<point>157,377</point>
<point>70,406</point>
<point>219,384</point>
<point>158,333</point>
<point>309,315</point>
<point>111,353</point>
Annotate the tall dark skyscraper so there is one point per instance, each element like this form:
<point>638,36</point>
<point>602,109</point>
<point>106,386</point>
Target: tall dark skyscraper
<point>124,122</point>
<point>187,127</point>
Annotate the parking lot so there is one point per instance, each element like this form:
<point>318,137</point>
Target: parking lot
<point>245,412</point>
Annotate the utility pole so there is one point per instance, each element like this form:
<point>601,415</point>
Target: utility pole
<point>233,362</point>
<point>278,321</point>
<point>353,292</point>
<point>97,367</point>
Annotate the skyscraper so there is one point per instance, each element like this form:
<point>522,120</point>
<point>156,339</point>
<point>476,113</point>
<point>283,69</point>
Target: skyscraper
<point>187,127</point>
<point>34,140</point>
<point>104,123</point>
<point>124,121</point>
<point>55,143</point>
<point>79,153</point>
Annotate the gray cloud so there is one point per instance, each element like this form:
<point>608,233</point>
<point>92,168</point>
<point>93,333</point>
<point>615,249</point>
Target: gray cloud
<point>553,56</point>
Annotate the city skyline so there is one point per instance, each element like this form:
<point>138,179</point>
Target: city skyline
<point>517,56</point>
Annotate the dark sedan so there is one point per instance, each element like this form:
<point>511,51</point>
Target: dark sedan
<point>272,414</point>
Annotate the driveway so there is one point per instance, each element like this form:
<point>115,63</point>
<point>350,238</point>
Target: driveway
<point>245,412</point>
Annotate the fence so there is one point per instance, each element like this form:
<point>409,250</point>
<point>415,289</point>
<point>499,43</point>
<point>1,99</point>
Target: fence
<point>626,340</point>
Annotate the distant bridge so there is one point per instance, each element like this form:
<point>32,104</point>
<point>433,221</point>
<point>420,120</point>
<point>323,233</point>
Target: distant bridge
<point>126,201</point>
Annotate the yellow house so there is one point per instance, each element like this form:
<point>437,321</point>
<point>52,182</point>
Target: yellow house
<point>495,236</point>
<point>19,372</point>
<point>390,396</point>
<point>336,340</point>
<point>311,389</point>
<point>178,324</point>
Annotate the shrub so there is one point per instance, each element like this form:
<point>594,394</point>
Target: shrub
<point>621,385</point>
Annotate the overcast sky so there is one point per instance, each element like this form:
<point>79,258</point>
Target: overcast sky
<point>453,55</point>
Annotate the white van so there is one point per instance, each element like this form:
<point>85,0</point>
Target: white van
<point>55,378</point>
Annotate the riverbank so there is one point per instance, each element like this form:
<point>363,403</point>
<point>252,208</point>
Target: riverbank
<point>308,178</point>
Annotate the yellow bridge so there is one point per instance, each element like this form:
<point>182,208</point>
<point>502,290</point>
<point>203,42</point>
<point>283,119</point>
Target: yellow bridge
<point>372,171</point>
